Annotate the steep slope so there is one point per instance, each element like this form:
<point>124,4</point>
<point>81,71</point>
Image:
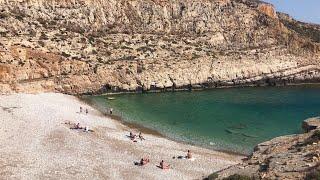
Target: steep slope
<point>91,46</point>
<point>311,31</point>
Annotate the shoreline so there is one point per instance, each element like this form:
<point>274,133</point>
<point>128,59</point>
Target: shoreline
<point>150,131</point>
<point>37,143</point>
<point>182,89</point>
<point>157,133</point>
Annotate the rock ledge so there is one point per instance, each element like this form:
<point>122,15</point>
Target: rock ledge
<point>311,124</point>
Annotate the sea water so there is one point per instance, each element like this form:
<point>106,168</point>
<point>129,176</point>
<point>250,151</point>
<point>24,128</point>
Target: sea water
<point>234,119</point>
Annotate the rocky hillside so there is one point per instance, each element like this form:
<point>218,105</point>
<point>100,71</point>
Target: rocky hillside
<point>92,46</point>
<point>311,31</point>
<point>286,157</point>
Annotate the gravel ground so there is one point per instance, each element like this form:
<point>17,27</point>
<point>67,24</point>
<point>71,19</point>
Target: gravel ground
<point>37,144</point>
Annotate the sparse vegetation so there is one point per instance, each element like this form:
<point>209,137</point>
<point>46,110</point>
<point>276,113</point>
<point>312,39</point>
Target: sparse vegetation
<point>306,30</point>
<point>64,54</point>
<point>41,43</point>
<point>128,58</point>
<point>198,49</point>
<point>94,52</point>
<point>212,176</point>
<point>195,56</point>
<point>126,47</point>
<point>315,137</point>
<point>238,177</point>
<point>19,17</point>
<point>3,34</point>
<point>313,175</point>
<point>3,15</point>
<point>43,36</point>
<point>91,39</point>
<point>145,49</point>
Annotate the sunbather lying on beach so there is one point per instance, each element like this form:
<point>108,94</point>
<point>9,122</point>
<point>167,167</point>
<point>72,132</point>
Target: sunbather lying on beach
<point>144,161</point>
<point>132,136</point>
<point>188,156</point>
<point>68,123</point>
<point>163,165</point>
<point>77,126</point>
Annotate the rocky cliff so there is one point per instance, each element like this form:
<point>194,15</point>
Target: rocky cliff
<point>285,157</point>
<point>92,46</point>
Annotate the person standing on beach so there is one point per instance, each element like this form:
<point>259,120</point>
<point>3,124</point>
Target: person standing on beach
<point>87,111</point>
<point>80,109</point>
<point>111,110</point>
<point>141,137</point>
<point>189,155</point>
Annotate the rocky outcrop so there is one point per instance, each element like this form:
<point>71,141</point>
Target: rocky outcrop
<point>286,157</point>
<point>311,124</point>
<point>310,31</point>
<point>94,46</point>
<point>268,9</point>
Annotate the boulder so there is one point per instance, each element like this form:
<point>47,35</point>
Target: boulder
<point>311,124</point>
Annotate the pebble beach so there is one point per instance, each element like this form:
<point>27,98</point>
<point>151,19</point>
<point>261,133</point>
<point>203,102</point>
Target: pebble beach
<point>37,143</point>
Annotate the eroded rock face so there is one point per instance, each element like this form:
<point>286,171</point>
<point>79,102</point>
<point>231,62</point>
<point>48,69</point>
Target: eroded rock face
<point>268,9</point>
<point>92,46</point>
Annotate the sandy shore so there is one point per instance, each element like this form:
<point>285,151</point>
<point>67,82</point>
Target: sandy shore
<point>37,144</point>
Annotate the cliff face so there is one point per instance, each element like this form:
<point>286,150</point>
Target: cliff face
<point>89,46</point>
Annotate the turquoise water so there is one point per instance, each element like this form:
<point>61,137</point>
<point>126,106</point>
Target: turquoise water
<point>225,119</point>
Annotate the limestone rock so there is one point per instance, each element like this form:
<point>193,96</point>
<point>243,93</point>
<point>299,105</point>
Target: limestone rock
<point>311,124</point>
<point>268,9</point>
<point>93,46</point>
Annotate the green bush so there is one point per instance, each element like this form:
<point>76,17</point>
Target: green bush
<point>213,176</point>
<point>313,175</point>
<point>238,177</point>
<point>4,15</point>
<point>315,137</point>
<point>43,36</point>
<point>64,54</point>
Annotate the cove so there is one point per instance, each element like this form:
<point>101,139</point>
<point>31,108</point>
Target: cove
<point>234,119</point>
